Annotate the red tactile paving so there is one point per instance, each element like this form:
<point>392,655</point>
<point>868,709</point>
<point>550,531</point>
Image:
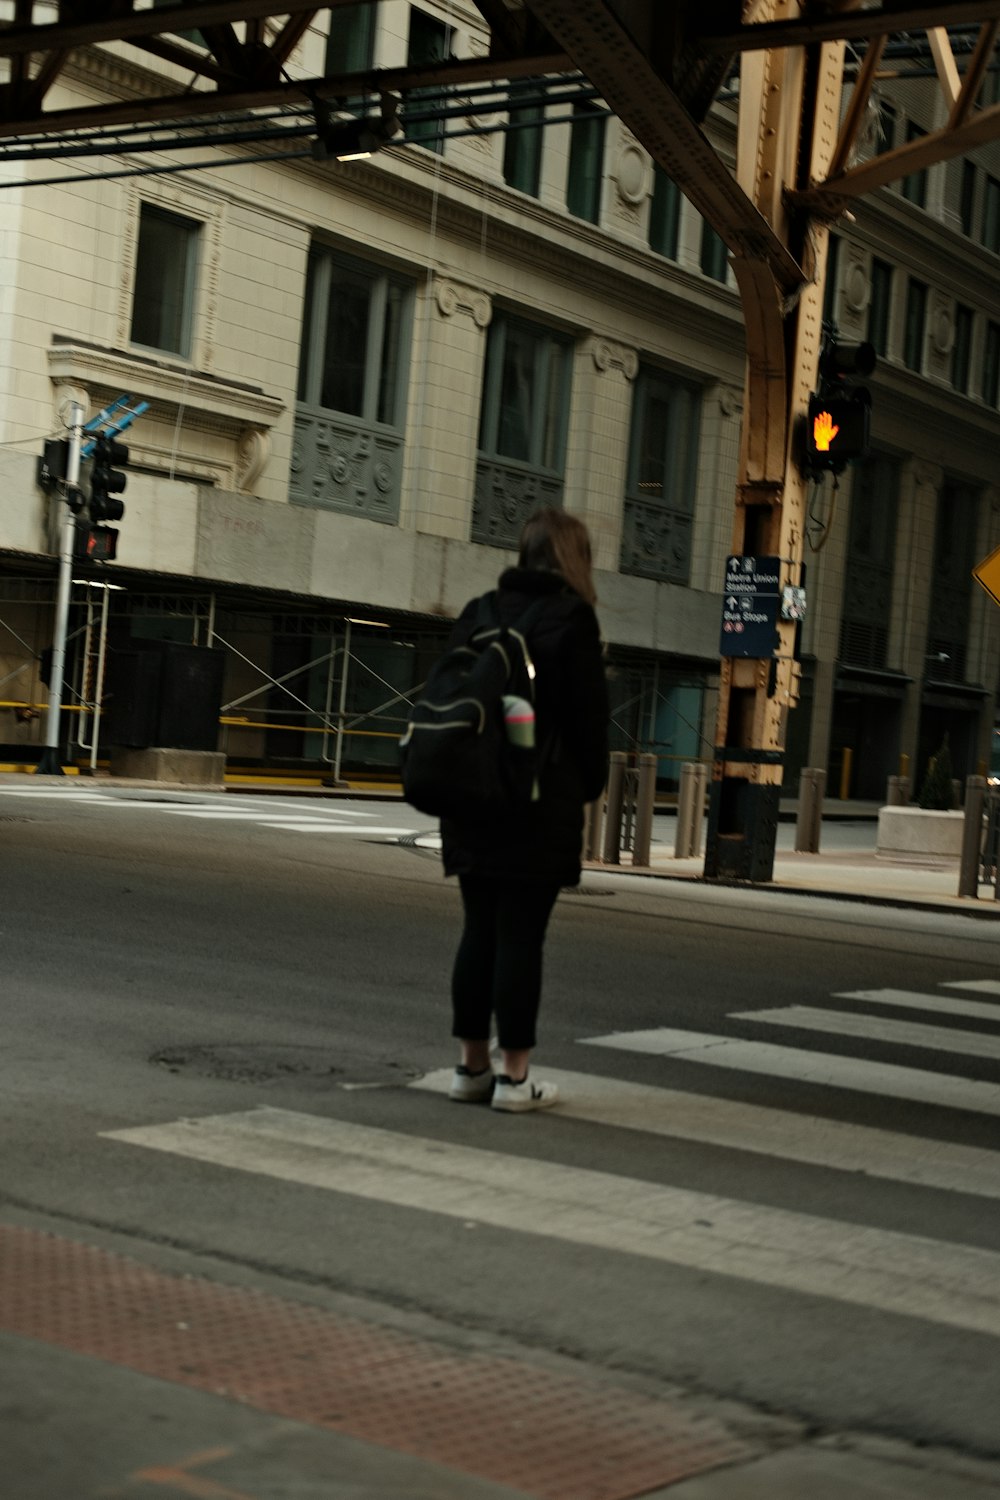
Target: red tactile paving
<point>550,1435</point>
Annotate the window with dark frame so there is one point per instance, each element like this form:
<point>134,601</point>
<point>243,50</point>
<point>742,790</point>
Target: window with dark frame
<point>661,478</point>
<point>522,152</point>
<point>916,322</point>
<point>830,284</point>
<point>429,43</point>
<point>990,389</point>
<point>880,306</point>
<point>714,258</point>
<point>525,394</point>
<point>354,336</point>
<point>664,214</point>
<point>914,186</point>
<point>991,214</point>
<point>967,197</point>
<point>166,266</point>
<point>869,570</point>
<point>586,162</point>
<point>350,46</point>
<point>961,348</point>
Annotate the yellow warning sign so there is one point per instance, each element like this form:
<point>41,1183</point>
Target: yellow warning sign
<point>987,573</point>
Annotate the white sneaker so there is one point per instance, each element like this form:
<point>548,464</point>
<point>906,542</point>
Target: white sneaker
<point>515,1098</point>
<point>471,1088</point>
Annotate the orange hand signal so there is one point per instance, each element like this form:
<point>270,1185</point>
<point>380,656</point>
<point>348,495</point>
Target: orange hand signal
<point>824,431</point>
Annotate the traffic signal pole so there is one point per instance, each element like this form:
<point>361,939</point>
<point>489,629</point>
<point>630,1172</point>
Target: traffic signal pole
<point>50,763</point>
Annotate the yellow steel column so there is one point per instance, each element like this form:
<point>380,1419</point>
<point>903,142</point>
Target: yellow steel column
<point>789,118</point>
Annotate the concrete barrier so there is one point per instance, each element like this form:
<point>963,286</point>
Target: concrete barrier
<point>918,833</point>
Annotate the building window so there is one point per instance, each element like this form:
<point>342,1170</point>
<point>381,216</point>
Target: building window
<point>429,43</point>
<point>991,365</point>
<point>880,306</point>
<point>714,255</point>
<point>522,153</point>
<point>522,428</point>
<point>662,473</point>
<point>916,320</point>
<point>664,214</point>
<point>525,394</point>
<point>951,593</point>
<point>351,390</point>
<point>830,284</point>
<point>961,349</point>
<point>991,214</point>
<point>166,268</point>
<point>350,46</point>
<point>352,347</point>
<point>871,545</point>
<point>914,186</point>
<point>967,197</point>
<point>586,162</point>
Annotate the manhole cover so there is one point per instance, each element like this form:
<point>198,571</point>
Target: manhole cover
<point>265,1063</point>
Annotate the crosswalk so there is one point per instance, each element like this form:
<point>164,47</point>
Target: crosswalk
<point>942,1282</point>
<point>325,819</point>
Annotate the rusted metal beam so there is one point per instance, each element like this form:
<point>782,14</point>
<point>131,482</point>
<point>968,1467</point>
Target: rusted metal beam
<point>857,106</point>
<point>857,25</point>
<point>229,100</point>
<point>606,53</point>
<point>979,129</point>
<point>974,75</point>
<point>107,26</point>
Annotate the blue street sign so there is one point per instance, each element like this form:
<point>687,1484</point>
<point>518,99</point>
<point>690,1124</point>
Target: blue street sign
<point>750,606</point>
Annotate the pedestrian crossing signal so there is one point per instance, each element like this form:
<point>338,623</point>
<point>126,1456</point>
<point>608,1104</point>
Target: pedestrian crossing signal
<point>837,431</point>
<point>96,544</point>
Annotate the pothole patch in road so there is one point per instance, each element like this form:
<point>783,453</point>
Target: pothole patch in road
<point>264,1063</point>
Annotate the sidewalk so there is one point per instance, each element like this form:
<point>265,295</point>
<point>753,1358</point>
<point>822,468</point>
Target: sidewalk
<point>846,867</point>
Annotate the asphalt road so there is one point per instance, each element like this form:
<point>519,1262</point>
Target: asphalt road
<point>164,963</point>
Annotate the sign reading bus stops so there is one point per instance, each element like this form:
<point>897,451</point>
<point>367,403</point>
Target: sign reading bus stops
<point>750,605</point>
<point>987,573</point>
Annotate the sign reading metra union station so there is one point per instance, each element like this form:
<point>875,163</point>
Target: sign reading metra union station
<point>750,603</point>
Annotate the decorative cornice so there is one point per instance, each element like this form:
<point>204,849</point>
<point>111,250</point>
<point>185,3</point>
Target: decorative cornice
<point>211,404</point>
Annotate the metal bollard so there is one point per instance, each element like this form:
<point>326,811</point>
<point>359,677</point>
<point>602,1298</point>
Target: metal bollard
<point>809,822</point>
<point>972,836</point>
<point>613,814</point>
<point>645,803</point>
<point>698,822</point>
<point>690,810</point>
<point>893,793</point>
<point>593,829</point>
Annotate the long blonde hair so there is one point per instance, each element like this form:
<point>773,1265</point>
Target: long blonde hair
<point>555,541</point>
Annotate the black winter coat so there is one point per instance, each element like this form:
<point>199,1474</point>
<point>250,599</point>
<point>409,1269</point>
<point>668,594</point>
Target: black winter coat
<point>543,840</point>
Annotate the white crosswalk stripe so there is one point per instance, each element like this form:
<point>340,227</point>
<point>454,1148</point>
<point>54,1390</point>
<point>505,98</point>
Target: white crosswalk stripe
<point>878,1029</point>
<point>941,1282</point>
<point>334,820</point>
<point>825,1069</point>
<point>908,1274</point>
<point>766,1132</point>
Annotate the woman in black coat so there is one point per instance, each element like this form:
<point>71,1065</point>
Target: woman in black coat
<point>511,868</point>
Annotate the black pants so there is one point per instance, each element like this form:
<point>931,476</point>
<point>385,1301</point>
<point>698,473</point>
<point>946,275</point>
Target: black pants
<point>498,966</point>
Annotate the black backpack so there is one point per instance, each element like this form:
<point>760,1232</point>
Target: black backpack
<point>459,757</point>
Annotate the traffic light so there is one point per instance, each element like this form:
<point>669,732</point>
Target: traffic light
<point>837,431</point>
<point>838,419</point>
<point>106,481</point>
<point>94,543</point>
